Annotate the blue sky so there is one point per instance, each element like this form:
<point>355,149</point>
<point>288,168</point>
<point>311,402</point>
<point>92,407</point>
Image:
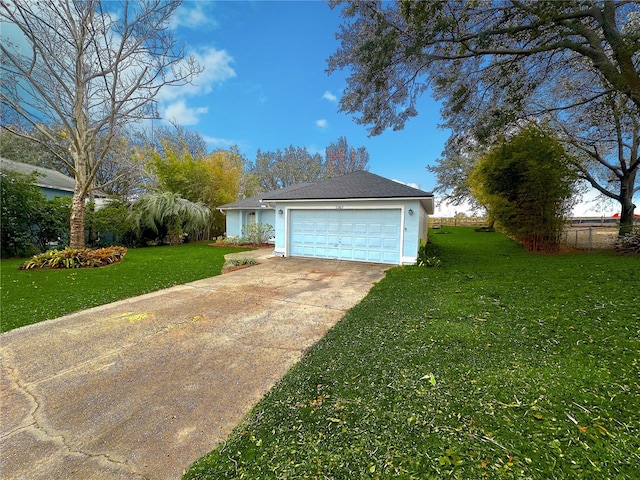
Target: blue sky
<point>265,86</point>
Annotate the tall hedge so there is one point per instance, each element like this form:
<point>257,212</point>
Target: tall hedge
<point>526,183</point>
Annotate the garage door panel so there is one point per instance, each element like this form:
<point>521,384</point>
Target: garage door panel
<point>346,241</point>
<point>360,242</point>
<point>368,235</point>
<point>360,254</point>
<point>389,243</point>
<point>388,257</point>
<point>360,228</point>
<point>333,240</point>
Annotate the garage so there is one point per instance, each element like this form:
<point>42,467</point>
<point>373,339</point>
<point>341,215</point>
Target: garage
<point>365,235</point>
<point>358,217</point>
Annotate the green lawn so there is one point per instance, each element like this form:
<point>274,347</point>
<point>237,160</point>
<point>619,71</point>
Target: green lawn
<point>497,364</point>
<point>30,296</point>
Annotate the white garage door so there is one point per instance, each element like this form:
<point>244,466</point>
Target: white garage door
<point>360,235</point>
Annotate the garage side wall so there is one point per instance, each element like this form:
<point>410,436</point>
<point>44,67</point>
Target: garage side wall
<point>413,231</point>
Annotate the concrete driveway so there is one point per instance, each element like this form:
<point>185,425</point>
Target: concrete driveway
<point>141,388</point>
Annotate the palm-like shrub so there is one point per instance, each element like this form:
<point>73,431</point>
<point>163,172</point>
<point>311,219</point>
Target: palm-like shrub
<point>169,210</point>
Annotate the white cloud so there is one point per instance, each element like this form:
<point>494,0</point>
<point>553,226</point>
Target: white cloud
<point>195,17</point>
<point>178,112</point>
<point>217,65</point>
<point>322,123</point>
<point>217,69</point>
<point>410,184</point>
<point>219,142</point>
<point>330,96</point>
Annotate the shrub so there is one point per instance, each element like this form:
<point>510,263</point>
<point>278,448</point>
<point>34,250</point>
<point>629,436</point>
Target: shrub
<point>20,203</point>
<point>526,184</point>
<point>239,262</point>
<point>51,224</point>
<point>428,255</point>
<point>76,258</point>
<point>257,233</point>
<point>114,225</point>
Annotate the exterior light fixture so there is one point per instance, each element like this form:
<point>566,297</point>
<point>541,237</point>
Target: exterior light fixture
<point>410,211</point>
<point>280,212</point>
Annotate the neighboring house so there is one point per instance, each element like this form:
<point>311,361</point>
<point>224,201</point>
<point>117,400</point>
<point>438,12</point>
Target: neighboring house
<point>51,182</point>
<point>359,216</point>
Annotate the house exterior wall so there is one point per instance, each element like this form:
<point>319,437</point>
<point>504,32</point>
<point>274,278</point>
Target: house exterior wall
<point>234,223</point>
<point>237,219</point>
<point>413,226</point>
<point>424,224</point>
<point>413,231</point>
<point>52,193</point>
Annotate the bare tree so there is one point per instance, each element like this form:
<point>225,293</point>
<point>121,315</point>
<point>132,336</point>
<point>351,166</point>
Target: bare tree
<point>342,158</point>
<point>178,138</point>
<point>90,67</point>
<point>278,169</point>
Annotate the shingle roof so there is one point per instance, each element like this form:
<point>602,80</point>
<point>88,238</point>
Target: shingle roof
<point>47,178</point>
<point>350,186</point>
<point>256,201</point>
<point>356,185</point>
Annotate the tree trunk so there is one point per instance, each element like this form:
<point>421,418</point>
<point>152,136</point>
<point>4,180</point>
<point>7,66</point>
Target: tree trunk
<point>78,211</point>
<point>628,207</point>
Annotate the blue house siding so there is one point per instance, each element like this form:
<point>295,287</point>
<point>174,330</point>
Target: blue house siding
<point>237,219</point>
<point>358,216</point>
<point>52,193</point>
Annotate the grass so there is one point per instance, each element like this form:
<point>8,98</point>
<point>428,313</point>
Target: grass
<point>31,296</point>
<point>495,364</point>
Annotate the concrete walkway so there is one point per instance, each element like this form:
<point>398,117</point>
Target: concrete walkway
<point>141,388</point>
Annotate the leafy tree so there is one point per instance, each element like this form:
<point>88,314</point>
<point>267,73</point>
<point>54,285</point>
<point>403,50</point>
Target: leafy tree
<point>279,169</point>
<point>494,64</point>
<point>526,186</point>
<point>51,223</point>
<point>213,180</point>
<point>177,215</point>
<point>342,159</point>
<point>90,67</point>
<point>22,149</point>
<point>178,172</point>
<point>226,171</point>
<point>29,221</point>
<point>20,203</point>
<point>115,218</point>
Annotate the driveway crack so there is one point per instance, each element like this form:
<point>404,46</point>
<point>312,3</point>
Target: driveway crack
<point>37,424</point>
